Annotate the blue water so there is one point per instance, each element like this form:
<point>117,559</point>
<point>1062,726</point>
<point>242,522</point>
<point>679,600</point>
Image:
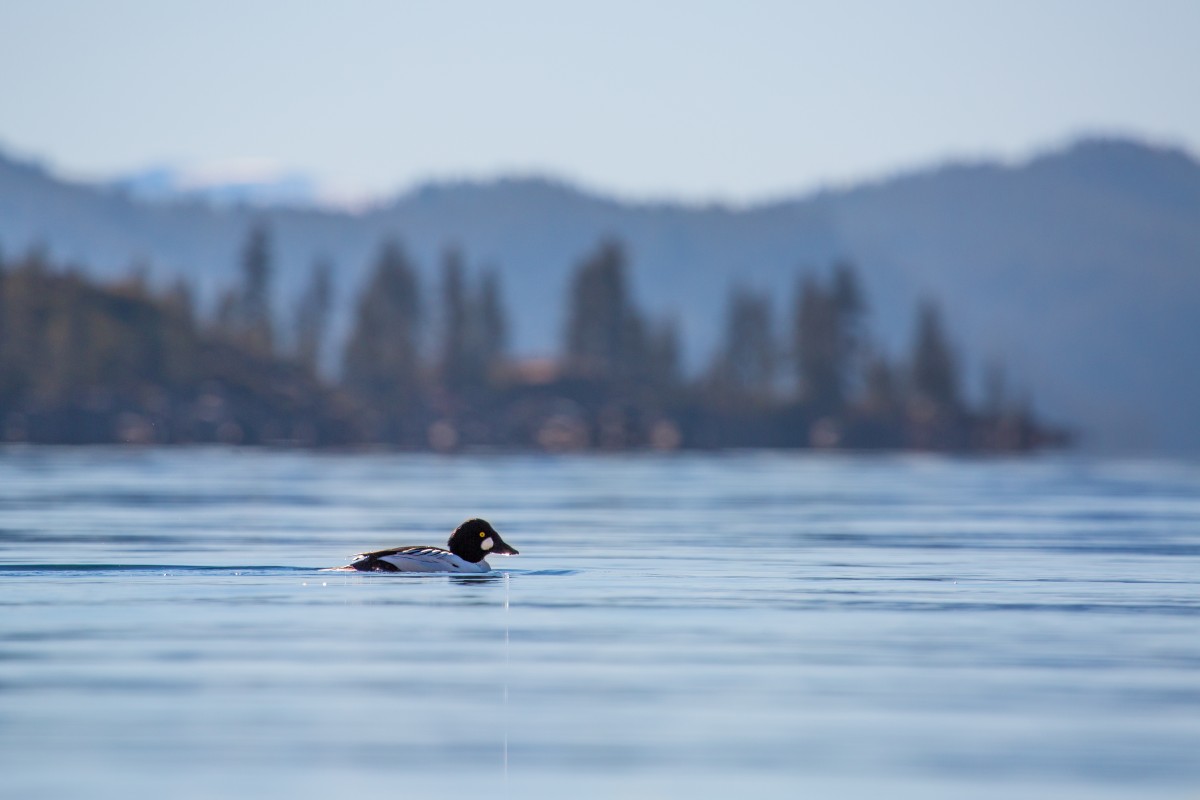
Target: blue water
<point>695,625</point>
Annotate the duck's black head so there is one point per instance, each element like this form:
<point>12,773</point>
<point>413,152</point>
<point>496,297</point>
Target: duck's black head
<point>475,539</point>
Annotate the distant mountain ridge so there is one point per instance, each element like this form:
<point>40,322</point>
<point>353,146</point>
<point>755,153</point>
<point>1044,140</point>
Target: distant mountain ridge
<point>1079,268</point>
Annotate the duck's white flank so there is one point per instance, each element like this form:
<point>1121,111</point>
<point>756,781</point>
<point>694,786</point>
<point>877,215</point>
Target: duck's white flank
<point>431,559</point>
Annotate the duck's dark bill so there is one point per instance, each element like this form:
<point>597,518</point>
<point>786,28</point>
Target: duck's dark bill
<point>502,549</point>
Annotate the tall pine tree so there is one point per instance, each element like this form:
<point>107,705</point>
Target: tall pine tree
<point>605,332</point>
<point>828,339</point>
<point>474,329</point>
<point>746,364</point>
<point>382,362</point>
<point>253,314</point>
<point>935,376</point>
<point>816,346</point>
<point>492,321</point>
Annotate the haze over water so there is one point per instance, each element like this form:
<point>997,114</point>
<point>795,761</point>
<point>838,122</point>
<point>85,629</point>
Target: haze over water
<point>691,625</point>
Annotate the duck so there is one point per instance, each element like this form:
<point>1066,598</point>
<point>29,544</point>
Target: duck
<point>464,553</point>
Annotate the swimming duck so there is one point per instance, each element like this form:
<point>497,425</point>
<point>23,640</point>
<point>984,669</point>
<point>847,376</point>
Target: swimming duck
<point>464,553</point>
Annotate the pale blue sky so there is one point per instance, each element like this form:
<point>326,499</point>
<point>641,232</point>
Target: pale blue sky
<point>689,100</point>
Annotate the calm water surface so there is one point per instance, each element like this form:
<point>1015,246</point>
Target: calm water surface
<point>700,626</point>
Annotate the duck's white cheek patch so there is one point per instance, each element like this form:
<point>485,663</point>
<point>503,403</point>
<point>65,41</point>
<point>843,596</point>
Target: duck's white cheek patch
<point>487,544</point>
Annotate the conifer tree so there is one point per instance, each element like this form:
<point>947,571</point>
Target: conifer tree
<point>816,346</point>
<point>935,376</point>
<point>381,361</point>
<point>254,312</point>
<point>474,329</point>
<point>605,333</point>
<point>493,324</point>
<point>828,338</point>
<point>881,393</point>
<point>746,364</point>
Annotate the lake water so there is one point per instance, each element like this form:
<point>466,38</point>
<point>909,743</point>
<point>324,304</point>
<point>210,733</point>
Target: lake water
<point>762,625</point>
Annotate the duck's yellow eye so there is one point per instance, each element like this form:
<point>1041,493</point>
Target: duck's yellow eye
<point>482,534</point>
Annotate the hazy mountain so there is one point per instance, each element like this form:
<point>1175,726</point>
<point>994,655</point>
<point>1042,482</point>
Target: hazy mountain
<point>1080,269</point>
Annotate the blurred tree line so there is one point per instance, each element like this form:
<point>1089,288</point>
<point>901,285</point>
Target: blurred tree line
<point>87,363</point>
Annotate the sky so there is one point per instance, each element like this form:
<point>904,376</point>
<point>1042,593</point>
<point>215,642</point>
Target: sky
<point>689,101</point>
